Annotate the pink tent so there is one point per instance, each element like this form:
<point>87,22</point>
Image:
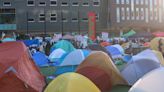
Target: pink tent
<point>158,34</point>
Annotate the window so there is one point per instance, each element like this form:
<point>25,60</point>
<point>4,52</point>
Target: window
<point>85,19</point>
<point>53,17</point>
<point>30,20</point>
<point>64,20</point>
<point>117,1</point>
<point>127,1</point>
<point>53,2</point>
<point>137,1</point>
<point>122,2</point>
<point>6,3</point>
<point>74,20</point>
<point>30,3</point>
<point>97,17</point>
<point>41,17</point>
<point>64,4</point>
<point>142,2</point>
<point>85,4</point>
<point>118,14</point>
<point>96,2</point>
<point>75,4</point>
<point>42,3</point>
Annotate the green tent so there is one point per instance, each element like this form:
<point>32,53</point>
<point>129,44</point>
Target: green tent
<point>130,33</point>
<point>63,44</point>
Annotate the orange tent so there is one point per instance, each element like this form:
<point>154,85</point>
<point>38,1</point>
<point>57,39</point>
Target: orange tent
<point>100,69</point>
<point>104,44</point>
<point>18,72</point>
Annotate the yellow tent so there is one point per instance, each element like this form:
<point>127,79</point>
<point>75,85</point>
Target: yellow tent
<point>154,44</point>
<point>71,82</point>
<point>125,45</point>
<point>159,56</point>
<point>102,61</point>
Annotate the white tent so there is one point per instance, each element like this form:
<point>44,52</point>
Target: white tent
<point>139,66</point>
<point>151,82</point>
<point>56,54</point>
<point>73,58</point>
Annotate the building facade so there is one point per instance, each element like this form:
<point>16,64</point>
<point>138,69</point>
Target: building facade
<point>139,14</point>
<point>51,15</point>
<point>71,15</point>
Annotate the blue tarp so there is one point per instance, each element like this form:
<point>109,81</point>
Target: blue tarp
<point>31,42</point>
<point>40,59</point>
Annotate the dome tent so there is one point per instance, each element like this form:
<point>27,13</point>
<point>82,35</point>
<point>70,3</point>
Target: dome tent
<point>159,56</point>
<point>115,52</point>
<point>56,55</point>
<point>63,44</point>
<point>157,44</point>
<point>73,58</point>
<point>18,72</point>
<point>151,82</point>
<point>140,65</point>
<point>71,61</point>
<point>40,59</point>
<point>66,83</point>
<point>97,66</point>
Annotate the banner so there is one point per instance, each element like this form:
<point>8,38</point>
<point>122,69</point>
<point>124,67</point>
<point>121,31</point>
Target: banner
<point>105,35</point>
<point>92,25</point>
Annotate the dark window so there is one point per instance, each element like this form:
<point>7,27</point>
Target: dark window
<point>42,19</point>
<point>30,20</point>
<point>53,19</point>
<point>64,4</point>
<point>96,3</point>
<point>85,4</point>
<point>85,19</point>
<point>75,4</point>
<point>74,19</point>
<point>30,2</point>
<point>53,2</point>
<point>42,15</point>
<point>42,3</point>
<point>7,3</point>
<point>64,19</point>
<point>53,15</point>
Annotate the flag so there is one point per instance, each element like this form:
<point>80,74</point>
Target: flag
<point>92,25</point>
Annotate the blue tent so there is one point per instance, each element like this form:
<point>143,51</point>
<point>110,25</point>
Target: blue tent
<point>31,42</point>
<point>115,52</point>
<point>40,59</point>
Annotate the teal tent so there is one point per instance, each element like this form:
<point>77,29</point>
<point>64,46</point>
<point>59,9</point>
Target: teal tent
<point>128,34</point>
<point>63,44</point>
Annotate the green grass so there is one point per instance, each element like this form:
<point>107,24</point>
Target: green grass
<point>120,88</point>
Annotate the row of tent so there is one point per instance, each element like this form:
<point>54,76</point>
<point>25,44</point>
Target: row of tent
<point>151,82</point>
<point>19,72</point>
<point>100,69</point>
